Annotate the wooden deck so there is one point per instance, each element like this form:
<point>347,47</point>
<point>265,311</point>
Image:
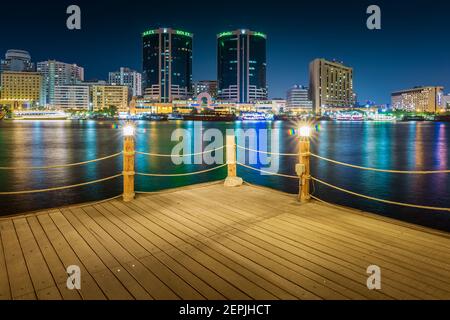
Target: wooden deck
<point>213,242</point>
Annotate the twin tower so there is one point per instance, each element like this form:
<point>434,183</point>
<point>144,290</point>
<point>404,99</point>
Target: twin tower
<point>241,65</point>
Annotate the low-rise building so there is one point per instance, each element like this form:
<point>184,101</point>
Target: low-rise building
<point>105,96</point>
<point>21,90</point>
<point>75,97</point>
<point>419,99</point>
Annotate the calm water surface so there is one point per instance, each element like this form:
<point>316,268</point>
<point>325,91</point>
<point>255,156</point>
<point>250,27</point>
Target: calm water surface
<point>400,146</point>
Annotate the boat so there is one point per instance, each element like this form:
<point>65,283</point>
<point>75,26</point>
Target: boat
<point>175,116</point>
<point>39,115</point>
<point>210,117</point>
<point>380,117</point>
<point>413,118</point>
<point>256,116</point>
<point>153,117</point>
<point>353,116</point>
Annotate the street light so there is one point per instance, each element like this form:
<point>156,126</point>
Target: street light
<point>305,131</point>
<point>128,130</point>
<point>128,161</point>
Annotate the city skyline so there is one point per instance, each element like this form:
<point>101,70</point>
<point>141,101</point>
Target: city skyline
<point>384,61</point>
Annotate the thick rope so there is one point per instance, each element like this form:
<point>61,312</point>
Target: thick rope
<point>267,152</point>
<point>61,188</point>
<point>179,174</point>
<point>380,200</point>
<point>378,170</point>
<point>268,172</point>
<point>62,165</point>
<point>178,155</point>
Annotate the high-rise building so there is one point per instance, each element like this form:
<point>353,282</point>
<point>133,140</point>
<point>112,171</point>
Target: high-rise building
<point>330,85</point>
<point>57,73</point>
<point>17,61</point>
<point>127,77</point>
<point>105,96</point>
<point>167,64</point>
<point>241,66</point>
<point>21,89</point>
<point>297,99</point>
<point>72,97</point>
<point>419,99</point>
<point>208,86</point>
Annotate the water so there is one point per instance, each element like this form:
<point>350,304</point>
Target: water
<point>399,146</point>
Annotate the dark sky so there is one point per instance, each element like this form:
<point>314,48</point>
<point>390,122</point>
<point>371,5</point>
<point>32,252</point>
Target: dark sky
<point>413,47</point>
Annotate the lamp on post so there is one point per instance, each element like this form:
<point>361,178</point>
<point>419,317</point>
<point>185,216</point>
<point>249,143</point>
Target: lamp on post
<point>303,168</point>
<point>128,162</point>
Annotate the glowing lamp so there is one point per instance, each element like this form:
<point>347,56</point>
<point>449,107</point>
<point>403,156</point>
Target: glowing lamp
<point>128,130</point>
<point>305,132</point>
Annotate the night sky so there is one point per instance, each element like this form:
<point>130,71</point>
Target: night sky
<point>413,47</point>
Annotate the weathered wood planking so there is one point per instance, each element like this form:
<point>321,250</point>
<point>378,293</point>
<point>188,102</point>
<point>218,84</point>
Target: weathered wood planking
<point>219,243</point>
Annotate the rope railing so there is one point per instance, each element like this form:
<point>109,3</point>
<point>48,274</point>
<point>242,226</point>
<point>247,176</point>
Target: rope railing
<point>377,199</point>
<point>378,170</point>
<point>348,164</point>
<point>61,188</point>
<point>63,165</point>
<point>268,152</point>
<point>179,155</point>
<point>180,174</point>
<point>267,172</point>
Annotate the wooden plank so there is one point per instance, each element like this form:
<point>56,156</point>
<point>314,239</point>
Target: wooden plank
<point>19,278</point>
<point>42,279</point>
<point>53,261</point>
<point>5,290</point>
<point>277,224</point>
<point>124,251</point>
<point>168,278</point>
<point>99,245</point>
<point>183,268</point>
<point>248,288</point>
<point>195,235</point>
<point>317,253</point>
<point>107,281</point>
<point>373,247</point>
<point>303,266</point>
<point>89,287</point>
<point>147,237</point>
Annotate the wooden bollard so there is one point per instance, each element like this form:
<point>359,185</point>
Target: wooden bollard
<point>128,165</point>
<point>304,170</point>
<point>232,179</point>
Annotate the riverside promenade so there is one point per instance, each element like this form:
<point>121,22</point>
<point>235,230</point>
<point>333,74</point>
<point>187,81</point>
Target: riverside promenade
<point>213,242</point>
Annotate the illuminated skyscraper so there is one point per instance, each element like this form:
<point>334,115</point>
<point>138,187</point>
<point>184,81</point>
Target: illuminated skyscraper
<point>167,64</point>
<point>241,66</point>
<point>330,85</point>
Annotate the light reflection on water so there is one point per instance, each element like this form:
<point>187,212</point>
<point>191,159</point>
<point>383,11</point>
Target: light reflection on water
<point>400,146</point>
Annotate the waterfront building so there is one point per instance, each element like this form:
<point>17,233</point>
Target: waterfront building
<point>140,105</point>
<point>21,90</point>
<point>105,96</point>
<point>205,86</point>
<point>297,100</point>
<point>419,99</point>
<point>56,73</point>
<point>167,64</point>
<point>17,61</point>
<point>241,66</point>
<point>330,85</point>
<point>127,77</point>
<point>75,97</point>
<point>446,103</point>
<point>274,106</point>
